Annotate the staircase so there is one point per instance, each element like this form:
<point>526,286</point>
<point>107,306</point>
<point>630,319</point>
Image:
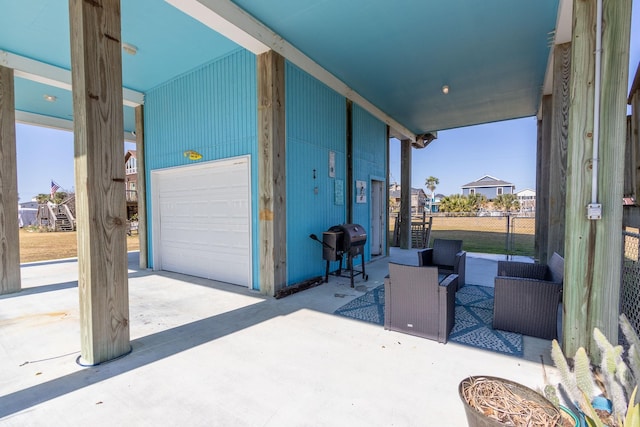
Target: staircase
<point>62,223</point>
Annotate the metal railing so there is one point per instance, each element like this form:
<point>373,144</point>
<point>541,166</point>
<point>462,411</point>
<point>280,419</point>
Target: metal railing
<point>131,195</point>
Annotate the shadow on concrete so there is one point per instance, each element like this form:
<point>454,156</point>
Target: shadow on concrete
<point>146,350</point>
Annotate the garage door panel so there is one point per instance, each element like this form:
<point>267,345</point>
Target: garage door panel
<point>204,221</point>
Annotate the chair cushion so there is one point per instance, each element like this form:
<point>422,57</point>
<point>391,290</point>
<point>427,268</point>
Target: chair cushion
<point>556,268</point>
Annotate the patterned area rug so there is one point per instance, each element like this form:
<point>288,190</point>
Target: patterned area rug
<point>369,307</point>
<point>473,323</point>
<point>473,318</point>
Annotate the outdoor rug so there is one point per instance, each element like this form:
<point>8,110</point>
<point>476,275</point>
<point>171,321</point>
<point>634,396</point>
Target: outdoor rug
<point>473,323</point>
<point>473,318</point>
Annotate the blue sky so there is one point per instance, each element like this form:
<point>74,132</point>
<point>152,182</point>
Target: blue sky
<point>505,150</point>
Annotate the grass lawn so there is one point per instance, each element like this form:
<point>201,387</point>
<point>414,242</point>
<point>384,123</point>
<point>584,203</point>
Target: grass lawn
<point>486,234</point>
<point>35,246</point>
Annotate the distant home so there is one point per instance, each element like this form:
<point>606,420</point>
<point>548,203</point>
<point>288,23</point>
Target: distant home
<point>527,199</point>
<point>488,186</point>
<point>131,179</point>
<point>418,199</point>
<point>435,203</point>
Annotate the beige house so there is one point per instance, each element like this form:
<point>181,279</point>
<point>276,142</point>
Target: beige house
<point>418,199</point>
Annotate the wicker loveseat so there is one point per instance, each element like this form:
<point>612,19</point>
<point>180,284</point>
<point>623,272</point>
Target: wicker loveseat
<point>416,303</point>
<point>527,297</point>
<point>448,256</point>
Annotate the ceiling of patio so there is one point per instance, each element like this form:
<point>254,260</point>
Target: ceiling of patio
<point>492,55</point>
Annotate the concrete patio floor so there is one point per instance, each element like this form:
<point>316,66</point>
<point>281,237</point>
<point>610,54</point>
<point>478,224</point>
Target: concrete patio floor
<point>212,354</point>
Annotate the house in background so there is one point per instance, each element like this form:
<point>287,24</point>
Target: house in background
<point>130,181</point>
<point>527,199</point>
<point>418,199</point>
<point>488,186</point>
<point>435,203</point>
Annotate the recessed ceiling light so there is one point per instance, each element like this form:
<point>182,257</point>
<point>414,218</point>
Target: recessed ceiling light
<point>445,89</point>
<point>129,48</point>
<point>50,98</point>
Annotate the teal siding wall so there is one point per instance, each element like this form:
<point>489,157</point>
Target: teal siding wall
<point>369,162</point>
<point>212,110</point>
<point>316,125</point>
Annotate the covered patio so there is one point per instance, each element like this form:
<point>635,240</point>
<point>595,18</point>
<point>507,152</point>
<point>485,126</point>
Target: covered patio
<point>193,362</point>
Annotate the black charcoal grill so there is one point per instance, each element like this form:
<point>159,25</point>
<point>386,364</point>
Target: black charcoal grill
<point>341,240</point>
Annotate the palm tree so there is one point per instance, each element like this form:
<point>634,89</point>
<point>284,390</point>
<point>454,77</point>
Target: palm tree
<point>431,183</point>
<point>507,202</point>
<point>42,198</point>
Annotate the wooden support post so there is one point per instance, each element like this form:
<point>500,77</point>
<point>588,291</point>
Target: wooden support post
<point>558,149</point>
<point>634,101</point>
<point>141,187</point>
<point>593,248</point>
<point>386,193</point>
<point>100,194</point>
<point>542,180</point>
<point>9,238</point>
<point>271,172</point>
<point>405,194</point>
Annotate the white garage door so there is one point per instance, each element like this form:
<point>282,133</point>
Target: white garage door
<point>202,222</point>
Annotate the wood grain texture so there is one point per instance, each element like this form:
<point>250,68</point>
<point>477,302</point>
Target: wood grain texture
<point>141,187</point>
<point>9,239</point>
<point>635,137</point>
<point>271,171</point>
<point>593,248</point>
<point>405,194</point>
<point>558,149</point>
<point>542,179</point>
<point>100,194</point>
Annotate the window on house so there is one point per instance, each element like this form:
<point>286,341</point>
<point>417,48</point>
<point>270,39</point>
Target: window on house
<point>499,191</point>
<point>472,191</point>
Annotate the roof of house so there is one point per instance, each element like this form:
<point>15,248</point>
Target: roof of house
<point>488,181</point>
<point>526,190</point>
<point>394,191</point>
<point>129,154</point>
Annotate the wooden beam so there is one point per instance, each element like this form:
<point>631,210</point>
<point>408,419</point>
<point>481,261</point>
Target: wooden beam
<point>558,149</point>
<point>9,243</point>
<point>405,194</point>
<point>100,195</point>
<point>271,173</point>
<point>542,179</point>
<point>50,75</point>
<point>634,101</point>
<point>141,187</point>
<point>593,248</point>
<point>386,192</point>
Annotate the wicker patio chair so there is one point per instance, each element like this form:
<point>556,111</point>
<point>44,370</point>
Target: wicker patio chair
<point>415,303</point>
<point>448,256</point>
<point>527,297</point>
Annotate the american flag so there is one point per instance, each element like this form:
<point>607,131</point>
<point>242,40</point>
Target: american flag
<point>54,188</point>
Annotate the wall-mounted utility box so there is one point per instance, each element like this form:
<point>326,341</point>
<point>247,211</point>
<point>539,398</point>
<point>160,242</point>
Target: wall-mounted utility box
<point>594,211</point>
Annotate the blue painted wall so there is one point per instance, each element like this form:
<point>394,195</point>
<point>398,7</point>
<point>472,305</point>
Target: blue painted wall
<point>212,110</point>
<point>369,162</point>
<point>316,125</point>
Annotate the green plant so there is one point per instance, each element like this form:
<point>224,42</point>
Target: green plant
<point>616,379</point>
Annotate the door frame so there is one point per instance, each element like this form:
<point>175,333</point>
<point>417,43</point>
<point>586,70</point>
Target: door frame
<point>377,219</point>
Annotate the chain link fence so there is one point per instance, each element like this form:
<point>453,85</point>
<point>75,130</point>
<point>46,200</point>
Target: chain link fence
<point>494,234</point>
<point>630,291</point>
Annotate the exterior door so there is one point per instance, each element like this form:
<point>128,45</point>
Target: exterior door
<point>377,217</point>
